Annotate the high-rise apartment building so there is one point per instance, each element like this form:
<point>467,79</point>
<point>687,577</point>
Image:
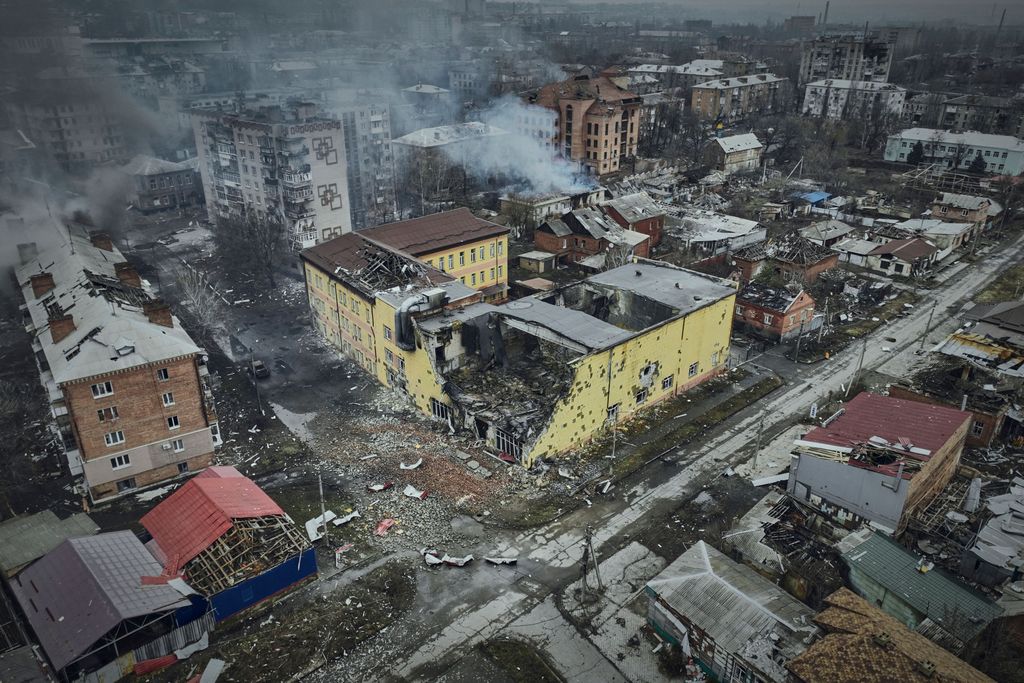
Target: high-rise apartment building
<point>597,123</point>
<point>853,57</point>
<point>370,162</point>
<point>285,161</point>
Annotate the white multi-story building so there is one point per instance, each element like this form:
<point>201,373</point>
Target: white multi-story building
<point>844,99</point>
<point>288,162</point>
<point>370,162</point>
<point>1002,154</point>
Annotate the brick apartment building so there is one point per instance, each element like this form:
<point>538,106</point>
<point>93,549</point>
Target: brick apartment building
<point>128,388</point>
<point>732,99</point>
<point>581,235</point>
<point>962,208</point>
<point>159,185</point>
<point>734,153</point>
<point>597,122</point>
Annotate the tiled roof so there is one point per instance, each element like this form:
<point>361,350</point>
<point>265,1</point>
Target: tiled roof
<point>198,513</point>
<point>428,234</point>
<point>598,89</point>
<point>865,645</point>
<point>87,586</point>
<point>919,424</point>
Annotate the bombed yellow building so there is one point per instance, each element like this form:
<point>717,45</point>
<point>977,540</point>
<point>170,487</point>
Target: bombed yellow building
<point>533,377</point>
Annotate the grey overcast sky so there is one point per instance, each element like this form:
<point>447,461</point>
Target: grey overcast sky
<point>977,12</point>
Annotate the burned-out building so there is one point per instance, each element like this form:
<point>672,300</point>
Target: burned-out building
<point>880,460</point>
<point>791,258</point>
<point>537,376</point>
<point>590,238</point>
<point>774,312</point>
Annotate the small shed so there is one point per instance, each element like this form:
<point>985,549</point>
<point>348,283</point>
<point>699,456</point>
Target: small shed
<point>537,261</point>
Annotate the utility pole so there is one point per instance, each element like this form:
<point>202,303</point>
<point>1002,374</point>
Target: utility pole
<point>323,511</point>
<point>821,330</point>
<point>799,338</point>
<point>757,443</point>
<point>589,553</point>
<point>860,364</point>
<point>927,327</point>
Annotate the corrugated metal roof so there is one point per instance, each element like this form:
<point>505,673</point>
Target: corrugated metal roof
<point>198,513</point>
<point>731,602</point>
<point>923,425</point>
<point>948,602</point>
<point>29,537</point>
<point>87,586</point>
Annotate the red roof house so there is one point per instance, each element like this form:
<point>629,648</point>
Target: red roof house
<point>223,531</point>
<point>882,459</point>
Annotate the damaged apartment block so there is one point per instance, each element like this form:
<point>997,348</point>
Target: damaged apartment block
<point>534,377</point>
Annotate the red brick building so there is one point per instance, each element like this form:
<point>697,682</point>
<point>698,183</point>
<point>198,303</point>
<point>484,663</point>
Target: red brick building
<point>129,389</point>
<point>773,312</point>
<point>638,212</point>
<point>585,233</point>
<point>792,258</point>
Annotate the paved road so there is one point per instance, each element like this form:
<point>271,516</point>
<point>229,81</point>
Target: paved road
<point>479,615</point>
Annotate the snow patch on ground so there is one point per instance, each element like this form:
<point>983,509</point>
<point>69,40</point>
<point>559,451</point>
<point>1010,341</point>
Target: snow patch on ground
<point>298,423</point>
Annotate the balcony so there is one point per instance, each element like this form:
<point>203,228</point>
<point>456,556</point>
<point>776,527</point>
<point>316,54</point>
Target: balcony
<point>297,212</point>
<point>297,179</point>
<point>298,194</point>
<point>230,179</point>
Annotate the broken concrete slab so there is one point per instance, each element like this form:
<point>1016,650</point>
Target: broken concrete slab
<point>484,473</point>
<point>473,465</point>
<point>462,455</point>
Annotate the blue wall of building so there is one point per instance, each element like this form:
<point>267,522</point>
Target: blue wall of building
<point>262,586</point>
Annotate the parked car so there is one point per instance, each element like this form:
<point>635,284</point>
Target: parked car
<point>260,369</point>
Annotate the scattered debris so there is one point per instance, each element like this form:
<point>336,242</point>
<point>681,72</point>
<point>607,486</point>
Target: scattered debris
<point>501,560</point>
<point>383,526</point>
<point>315,527</point>
<point>412,466</point>
<point>377,488</point>
<point>412,492</point>
<point>456,561</point>
<point>347,518</point>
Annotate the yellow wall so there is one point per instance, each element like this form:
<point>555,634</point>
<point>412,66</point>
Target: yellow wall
<point>582,412</point>
<point>495,258</point>
<point>701,338</point>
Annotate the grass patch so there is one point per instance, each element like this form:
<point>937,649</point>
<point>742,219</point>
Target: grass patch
<point>521,662</point>
<point>690,431</point>
<point>1007,287</point>
<point>884,313</point>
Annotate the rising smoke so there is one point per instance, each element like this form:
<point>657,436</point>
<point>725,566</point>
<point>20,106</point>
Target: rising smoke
<point>525,155</point>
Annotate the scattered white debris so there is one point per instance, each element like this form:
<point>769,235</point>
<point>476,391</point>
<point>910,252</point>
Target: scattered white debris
<point>501,560</point>
<point>412,492</point>
<point>315,526</point>
<point>347,518</point>
<point>149,495</point>
<point>412,466</point>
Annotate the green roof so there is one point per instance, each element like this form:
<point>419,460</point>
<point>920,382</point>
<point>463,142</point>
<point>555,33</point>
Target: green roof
<point>26,538</point>
<point>947,601</point>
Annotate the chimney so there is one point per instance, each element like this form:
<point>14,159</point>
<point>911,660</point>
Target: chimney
<point>42,283</point>
<point>101,240</point>
<point>158,312</point>
<point>127,274</point>
<point>61,326</point>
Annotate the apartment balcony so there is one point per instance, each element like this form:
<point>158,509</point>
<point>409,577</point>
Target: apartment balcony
<point>230,179</point>
<point>297,212</point>
<point>293,179</point>
<point>298,194</point>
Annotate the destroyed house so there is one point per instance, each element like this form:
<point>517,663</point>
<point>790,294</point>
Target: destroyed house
<point>996,553</point>
<point>862,644</point>
<point>92,606</point>
<point>774,312</point>
<point>233,544</point>
<point>906,586</point>
<point>638,212</point>
<point>738,625</point>
<point>995,342</point>
<point>128,388</point>
<point>879,459</point>
<point>791,258</point>
<point>587,236</point>
<point>538,376</point>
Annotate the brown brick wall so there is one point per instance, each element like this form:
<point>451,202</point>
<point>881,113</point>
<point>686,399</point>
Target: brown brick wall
<point>141,413</point>
<point>935,474</point>
<point>991,422</point>
<point>154,476</point>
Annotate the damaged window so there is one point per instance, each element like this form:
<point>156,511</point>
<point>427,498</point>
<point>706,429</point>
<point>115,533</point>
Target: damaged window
<point>506,443</point>
<point>440,411</point>
<point>613,412</point>
<point>693,369</point>
<point>667,382</point>
<point>641,396</point>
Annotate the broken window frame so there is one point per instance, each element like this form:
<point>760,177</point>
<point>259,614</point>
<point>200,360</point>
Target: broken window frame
<point>613,413</point>
<point>102,389</point>
<point>667,382</point>
<point>506,443</point>
<point>440,410</point>
<point>641,397</point>
<point>693,369</point>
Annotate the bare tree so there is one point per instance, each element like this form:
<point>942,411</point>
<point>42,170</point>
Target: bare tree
<point>521,215</point>
<point>197,295</point>
<point>251,242</point>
